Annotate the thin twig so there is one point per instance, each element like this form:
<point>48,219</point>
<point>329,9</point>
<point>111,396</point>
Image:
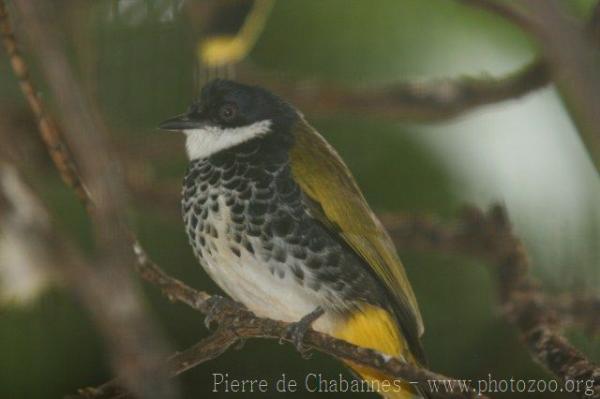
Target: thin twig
<point>47,126</point>
<point>206,349</point>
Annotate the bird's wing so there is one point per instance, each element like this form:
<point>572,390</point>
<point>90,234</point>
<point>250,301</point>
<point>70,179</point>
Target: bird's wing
<point>341,206</point>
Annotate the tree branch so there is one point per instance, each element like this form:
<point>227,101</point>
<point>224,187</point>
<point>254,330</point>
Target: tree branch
<point>489,236</point>
<point>47,126</point>
<point>435,100</point>
<point>236,323</point>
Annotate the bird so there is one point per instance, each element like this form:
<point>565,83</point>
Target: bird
<point>277,220</point>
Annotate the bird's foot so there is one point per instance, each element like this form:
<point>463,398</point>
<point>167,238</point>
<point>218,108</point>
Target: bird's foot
<point>217,305</point>
<point>296,331</point>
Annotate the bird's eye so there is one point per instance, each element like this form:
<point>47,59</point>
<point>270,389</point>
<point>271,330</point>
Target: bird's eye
<point>228,112</point>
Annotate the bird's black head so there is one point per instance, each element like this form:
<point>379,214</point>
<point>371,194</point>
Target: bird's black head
<point>228,113</point>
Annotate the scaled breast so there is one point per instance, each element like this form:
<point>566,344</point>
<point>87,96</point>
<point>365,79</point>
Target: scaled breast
<point>240,211</point>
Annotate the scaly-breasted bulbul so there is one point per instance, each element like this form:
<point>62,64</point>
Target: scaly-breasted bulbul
<point>278,222</point>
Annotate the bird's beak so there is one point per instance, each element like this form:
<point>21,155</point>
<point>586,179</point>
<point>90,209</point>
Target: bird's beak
<point>181,122</point>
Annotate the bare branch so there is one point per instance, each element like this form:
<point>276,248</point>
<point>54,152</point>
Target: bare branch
<point>423,233</point>
<point>435,100</point>
<point>245,325</point>
<point>237,323</point>
<point>489,236</point>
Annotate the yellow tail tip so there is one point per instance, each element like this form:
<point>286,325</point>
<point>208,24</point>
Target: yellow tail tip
<point>375,328</point>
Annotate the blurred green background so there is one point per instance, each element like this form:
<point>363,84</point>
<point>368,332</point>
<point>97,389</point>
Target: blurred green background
<point>136,58</point>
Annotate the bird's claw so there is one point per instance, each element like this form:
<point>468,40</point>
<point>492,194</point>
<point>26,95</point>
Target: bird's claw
<point>216,304</point>
<point>296,331</point>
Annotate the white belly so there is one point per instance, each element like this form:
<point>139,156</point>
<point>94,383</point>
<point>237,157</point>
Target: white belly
<point>248,279</point>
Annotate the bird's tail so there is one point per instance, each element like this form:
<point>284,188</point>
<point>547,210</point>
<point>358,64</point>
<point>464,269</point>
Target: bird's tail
<point>373,327</point>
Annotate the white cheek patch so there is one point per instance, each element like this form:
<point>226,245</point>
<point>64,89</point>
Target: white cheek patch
<point>202,143</point>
